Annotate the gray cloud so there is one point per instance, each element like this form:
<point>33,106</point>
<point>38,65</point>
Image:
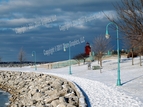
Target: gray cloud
<point>27,24</point>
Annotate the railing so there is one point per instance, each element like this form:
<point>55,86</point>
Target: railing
<point>65,63</point>
<point>61,64</point>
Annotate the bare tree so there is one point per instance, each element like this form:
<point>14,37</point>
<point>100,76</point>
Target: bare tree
<point>138,49</point>
<point>128,45</point>
<point>79,57</point>
<point>130,21</point>
<point>100,46</point>
<point>21,56</point>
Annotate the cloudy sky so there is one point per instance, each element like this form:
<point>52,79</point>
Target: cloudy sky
<point>47,26</point>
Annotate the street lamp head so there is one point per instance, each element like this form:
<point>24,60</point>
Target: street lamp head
<point>107,36</point>
<point>33,53</point>
<point>64,48</point>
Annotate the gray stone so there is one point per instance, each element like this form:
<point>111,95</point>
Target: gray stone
<point>55,103</point>
<point>61,105</point>
<point>38,90</point>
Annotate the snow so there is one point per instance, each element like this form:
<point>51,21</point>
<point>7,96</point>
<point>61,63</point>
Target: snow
<point>100,89</point>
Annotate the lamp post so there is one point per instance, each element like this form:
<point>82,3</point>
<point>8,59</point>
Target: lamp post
<point>34,54</point>
<point>70,72</point>
<point>107,36</point>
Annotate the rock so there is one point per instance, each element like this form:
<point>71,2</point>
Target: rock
<point>62,100</point>
<point>74,100</point>
<point>61,105</point>
<point>37,90</point>
<point>51,98</point>
<point>55,103</point>
<point>37,96</point>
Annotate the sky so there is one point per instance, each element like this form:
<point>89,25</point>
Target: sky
<point>49,26</point>
<point>100,89</point>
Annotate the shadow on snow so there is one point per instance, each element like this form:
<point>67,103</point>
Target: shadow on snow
<point>85,95</point>
<point>132,80</point>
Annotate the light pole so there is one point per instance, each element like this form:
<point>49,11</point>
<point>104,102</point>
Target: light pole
<point>107,36</point>
<point>34,54</point>
<point>70,72</point>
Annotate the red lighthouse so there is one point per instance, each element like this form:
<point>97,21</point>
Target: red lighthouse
<point>87,49</point>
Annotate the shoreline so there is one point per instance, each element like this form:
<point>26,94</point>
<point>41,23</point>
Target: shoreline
<point>4,98</point>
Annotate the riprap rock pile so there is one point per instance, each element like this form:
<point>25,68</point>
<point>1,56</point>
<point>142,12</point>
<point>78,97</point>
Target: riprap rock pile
<point>38,90</point>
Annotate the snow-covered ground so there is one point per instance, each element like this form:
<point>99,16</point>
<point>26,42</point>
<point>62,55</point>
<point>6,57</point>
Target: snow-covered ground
<point>100,89</point>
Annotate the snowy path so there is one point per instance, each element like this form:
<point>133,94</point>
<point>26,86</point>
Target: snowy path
<point>99,95</point>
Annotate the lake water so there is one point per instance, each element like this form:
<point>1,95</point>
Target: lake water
<point>4,98</point>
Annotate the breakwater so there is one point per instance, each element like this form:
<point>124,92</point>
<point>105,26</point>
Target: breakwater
<point>18,64</point>
<point>40,90</point>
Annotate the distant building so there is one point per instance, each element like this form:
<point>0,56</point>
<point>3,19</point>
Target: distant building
<point>87,49</point>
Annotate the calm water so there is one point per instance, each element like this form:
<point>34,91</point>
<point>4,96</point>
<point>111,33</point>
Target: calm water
<point>4,98</point>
